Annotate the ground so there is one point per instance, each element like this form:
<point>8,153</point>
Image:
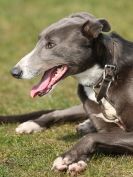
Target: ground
<point>32,155</point>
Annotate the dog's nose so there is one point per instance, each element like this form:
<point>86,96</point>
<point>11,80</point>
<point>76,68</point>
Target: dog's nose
<point>17,72</point>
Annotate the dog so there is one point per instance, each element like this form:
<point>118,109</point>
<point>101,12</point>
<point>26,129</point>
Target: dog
<point>83,47</point>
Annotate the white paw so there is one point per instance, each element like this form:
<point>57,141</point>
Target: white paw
<point>60,164</point>
<point>76,168</point>
<point>28,127</point>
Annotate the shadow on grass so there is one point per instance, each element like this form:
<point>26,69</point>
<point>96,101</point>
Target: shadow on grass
<point>116,155</point>
<point>71,137</point>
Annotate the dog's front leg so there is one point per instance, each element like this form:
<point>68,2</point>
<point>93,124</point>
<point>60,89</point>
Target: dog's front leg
<point>72,114</point>
<point>95,123</point>
<point>74,160</point>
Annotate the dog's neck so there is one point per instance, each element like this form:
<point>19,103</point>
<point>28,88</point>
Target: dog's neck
<point>101,54</point>
<point>90,76</point>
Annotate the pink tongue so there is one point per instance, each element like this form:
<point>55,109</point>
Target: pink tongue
<point>43,83</point>
<point>49,78</point>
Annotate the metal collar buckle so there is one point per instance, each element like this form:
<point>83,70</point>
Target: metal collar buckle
<point>108,74</point>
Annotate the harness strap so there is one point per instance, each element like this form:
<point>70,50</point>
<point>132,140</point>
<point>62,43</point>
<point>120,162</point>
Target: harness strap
<point>101,91</point>
<point>103,84</point>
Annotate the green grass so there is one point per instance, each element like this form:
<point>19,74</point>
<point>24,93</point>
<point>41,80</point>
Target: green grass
<point>32,155</point>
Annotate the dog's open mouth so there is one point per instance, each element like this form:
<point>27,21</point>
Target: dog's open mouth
<point>49,79</point>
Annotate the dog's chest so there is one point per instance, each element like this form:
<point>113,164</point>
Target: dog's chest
<point>89,78</point>
<point>109,111</point>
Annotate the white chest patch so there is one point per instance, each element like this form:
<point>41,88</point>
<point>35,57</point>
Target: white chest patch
<point>90,93</point>
<point>90,76</point>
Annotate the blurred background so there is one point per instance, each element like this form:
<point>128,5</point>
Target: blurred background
<point>20,23</point>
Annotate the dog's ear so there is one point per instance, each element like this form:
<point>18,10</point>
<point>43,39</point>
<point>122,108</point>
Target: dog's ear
<point>91,29</point>
<point>106,25</point>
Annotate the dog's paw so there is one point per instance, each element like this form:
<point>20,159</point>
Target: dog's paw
<point>28,127</point>
<point>64,164</point>
<point>60,164</point>
<point>76,168</point>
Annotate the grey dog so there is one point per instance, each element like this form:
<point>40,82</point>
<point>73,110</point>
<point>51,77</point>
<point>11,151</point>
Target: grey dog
<point>79,46</point>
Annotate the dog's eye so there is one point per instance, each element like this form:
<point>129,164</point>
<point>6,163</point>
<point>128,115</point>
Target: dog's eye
<point>50,45</point>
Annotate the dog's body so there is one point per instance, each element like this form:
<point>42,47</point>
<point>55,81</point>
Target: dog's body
<point>79,48</point>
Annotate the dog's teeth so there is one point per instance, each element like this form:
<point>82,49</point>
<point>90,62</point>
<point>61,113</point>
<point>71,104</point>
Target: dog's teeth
<point>40,94</point>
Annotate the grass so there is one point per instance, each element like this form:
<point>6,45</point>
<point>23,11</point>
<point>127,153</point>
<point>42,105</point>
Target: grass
<point>32,155</point>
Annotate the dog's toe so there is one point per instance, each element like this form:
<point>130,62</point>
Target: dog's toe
<point>65,164</point>
<point>60,164</point>
<point>28,127</point>
<point>76,168</point>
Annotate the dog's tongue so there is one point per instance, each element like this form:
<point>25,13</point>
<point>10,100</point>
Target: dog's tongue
<point>43,84</point>
<point>49,78</point>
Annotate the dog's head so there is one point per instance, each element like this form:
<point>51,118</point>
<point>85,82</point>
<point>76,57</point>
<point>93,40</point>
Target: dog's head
<point>64,48</point>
